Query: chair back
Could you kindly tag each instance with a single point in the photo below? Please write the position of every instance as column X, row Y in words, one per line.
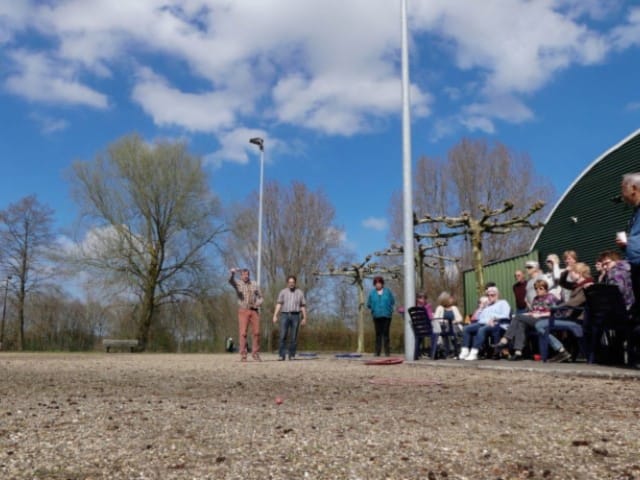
column 605, row 306
column 420, row 322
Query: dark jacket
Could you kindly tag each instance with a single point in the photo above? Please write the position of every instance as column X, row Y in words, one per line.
column 577, row 298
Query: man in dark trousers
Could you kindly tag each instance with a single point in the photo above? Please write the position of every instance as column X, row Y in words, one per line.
column 291, row 308
column 520, row 291
column 630, row 190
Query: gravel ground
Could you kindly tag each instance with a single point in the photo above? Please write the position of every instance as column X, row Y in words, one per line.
column 143, row 416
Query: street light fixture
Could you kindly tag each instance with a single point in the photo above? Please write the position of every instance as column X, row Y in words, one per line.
column 260, row 143
column 407, row 194
column 4, row 310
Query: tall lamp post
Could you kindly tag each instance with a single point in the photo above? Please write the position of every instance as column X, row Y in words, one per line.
column 260, row 143
column 407, row 204
column 4, row 310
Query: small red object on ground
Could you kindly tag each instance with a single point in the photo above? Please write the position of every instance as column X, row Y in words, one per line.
column 385, row 361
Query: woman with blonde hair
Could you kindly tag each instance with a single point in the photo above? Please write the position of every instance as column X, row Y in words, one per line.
column 449, row 320
column 447, row 308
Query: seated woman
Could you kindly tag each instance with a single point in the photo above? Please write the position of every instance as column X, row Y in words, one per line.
column 448, row 318
column 517, row 331
column 580, row 277
column 488, row 318
column 617, row 271
column 570, row 258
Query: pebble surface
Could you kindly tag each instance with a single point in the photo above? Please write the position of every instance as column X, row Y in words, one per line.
column 171, row 416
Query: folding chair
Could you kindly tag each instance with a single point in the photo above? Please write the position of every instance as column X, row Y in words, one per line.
column 449, row 337
column 421, row 325
column 607, row 324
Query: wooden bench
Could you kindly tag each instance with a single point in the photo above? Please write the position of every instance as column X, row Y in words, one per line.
column 115, row 343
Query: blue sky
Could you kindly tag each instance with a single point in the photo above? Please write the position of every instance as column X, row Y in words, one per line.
column 320, row 81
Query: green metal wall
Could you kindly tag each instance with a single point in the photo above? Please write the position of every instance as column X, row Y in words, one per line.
column 499, row 272
column 585, row 219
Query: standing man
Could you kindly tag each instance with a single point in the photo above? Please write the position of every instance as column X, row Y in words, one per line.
column 292, row 308
column 249, row 301
column 520, row 291
column 630, row 191
column 381, row 303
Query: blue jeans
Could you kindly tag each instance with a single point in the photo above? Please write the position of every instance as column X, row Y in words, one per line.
column 554, row 343
column 289, row 324
column 480, row 331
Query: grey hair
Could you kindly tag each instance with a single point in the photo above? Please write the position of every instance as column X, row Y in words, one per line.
column 631, row 179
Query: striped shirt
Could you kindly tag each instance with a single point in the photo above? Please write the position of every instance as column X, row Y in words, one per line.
column 249, row 295
column 291, row 301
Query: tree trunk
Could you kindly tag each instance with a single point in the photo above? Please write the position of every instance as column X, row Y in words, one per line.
column 420, row 264
column 146, row 317
column 360, row 318
column 478, row 260
column 21, row 296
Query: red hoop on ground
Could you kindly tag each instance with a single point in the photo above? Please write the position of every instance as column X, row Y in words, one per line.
column 385, row 361
column 417, row 382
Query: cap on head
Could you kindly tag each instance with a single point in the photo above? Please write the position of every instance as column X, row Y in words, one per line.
column 532, row 264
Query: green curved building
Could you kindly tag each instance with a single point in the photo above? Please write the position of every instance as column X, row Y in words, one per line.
column 590, row 212
column 585, row 218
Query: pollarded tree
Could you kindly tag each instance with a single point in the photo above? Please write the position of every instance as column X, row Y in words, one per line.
column 25, row 238
column 476, row 228
column 483, row 178
column 472, row 185
column 153, row 218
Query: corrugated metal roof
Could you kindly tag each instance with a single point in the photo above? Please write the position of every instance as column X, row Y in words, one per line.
column 585, row 219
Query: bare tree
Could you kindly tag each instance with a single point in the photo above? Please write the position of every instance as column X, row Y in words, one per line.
column 431, row 194
column 422, row 259
column 483, row 177
column 153, row 218
column 475, row 229
column 476, row 176
column 299, row 233
column 25, row 237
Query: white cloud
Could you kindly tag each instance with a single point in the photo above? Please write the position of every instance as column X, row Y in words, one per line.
column 596, row 9
column 325, row 65
column 14, row 16
column 376, row 223
column 204, row 112
column 49, row 125
column 43, row 79
column 95, row 243
column 235, row 146
column 628, row 35
column 633, row 106
column 340, row 237
column 479, row 116
column 520, row 44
